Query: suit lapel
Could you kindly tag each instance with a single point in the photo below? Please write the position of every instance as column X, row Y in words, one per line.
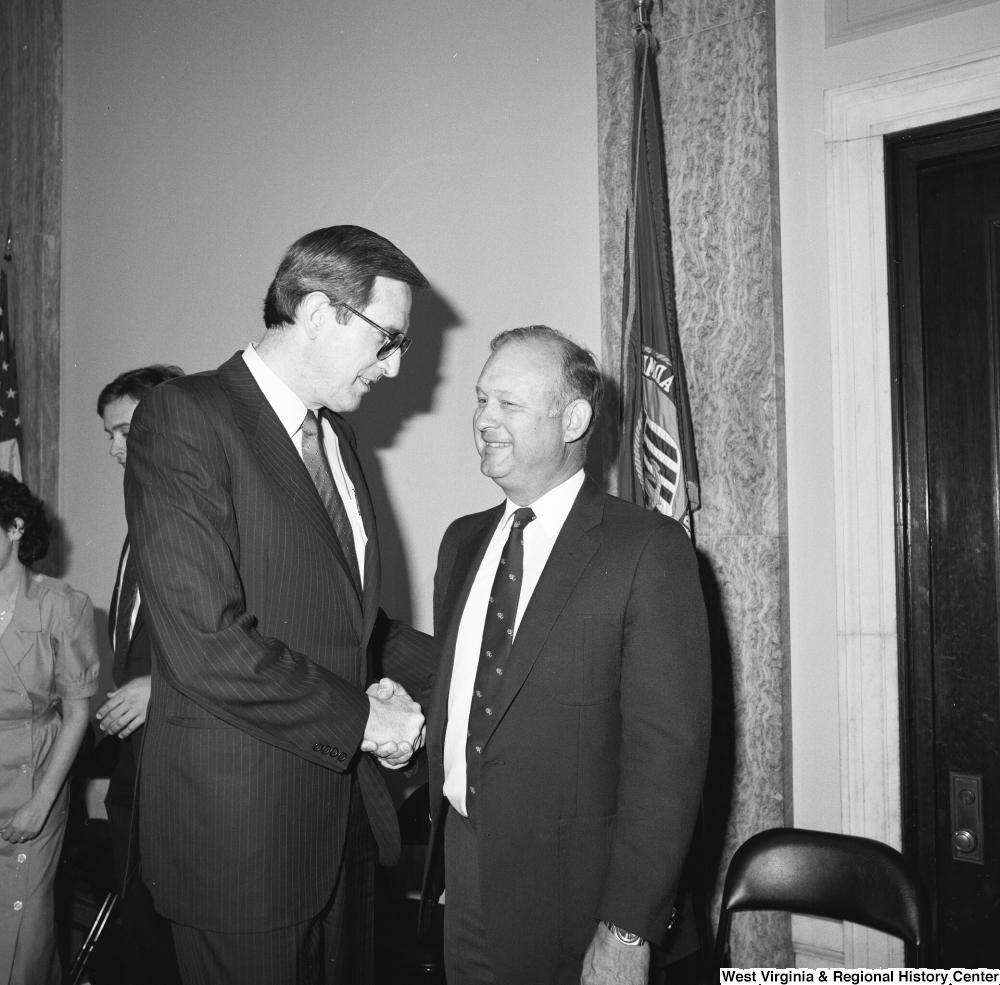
column 468, row 557
column 281, row 463
column 140, row 621
column 572, row 552
column 113, row 608
column 372, row 588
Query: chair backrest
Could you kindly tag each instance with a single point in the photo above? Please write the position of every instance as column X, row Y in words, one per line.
column 825, row 875
column 414, row 817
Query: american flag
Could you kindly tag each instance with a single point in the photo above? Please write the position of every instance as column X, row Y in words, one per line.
column 10, row 407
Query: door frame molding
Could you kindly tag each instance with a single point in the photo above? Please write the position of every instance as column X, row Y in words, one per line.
column 858, row 117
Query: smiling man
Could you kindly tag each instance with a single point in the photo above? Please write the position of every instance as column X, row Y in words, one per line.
column 257, row 554
column 568, row 731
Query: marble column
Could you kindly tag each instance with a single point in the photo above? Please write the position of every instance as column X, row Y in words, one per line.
column 716, row 70
column 31, row 201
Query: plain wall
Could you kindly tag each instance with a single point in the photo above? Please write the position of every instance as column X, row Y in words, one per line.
column 202, row 139
column 806, row 68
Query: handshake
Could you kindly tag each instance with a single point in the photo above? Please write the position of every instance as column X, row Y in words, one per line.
column 395, row 729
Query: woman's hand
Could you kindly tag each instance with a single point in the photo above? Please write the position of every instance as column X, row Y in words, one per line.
column 28, row 820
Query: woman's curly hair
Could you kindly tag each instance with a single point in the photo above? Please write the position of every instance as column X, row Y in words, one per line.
column 17, row 501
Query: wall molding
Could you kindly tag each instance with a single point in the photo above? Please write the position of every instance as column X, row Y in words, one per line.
column 857, row 118
column 844, row 24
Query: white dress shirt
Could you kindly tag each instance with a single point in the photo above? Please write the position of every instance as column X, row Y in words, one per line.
column 135, row 605
column 292, row 412
column 550, row 512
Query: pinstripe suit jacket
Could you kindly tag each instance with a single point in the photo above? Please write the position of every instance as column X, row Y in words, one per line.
column 260, row 659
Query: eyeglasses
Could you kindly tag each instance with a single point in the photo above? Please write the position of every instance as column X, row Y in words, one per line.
column 393, row 340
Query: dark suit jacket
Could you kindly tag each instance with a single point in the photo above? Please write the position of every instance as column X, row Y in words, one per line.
column 260, row 659
column 591, row 780
column 120, row 798
column 137, row 664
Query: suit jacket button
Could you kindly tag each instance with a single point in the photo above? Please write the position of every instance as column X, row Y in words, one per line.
column 317, row 746
column 342, row 756
column 334, row 751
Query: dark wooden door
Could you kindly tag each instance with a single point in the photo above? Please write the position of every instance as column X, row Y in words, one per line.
column 943, row 187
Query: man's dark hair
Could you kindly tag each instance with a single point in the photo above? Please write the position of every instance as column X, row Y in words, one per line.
column 582, row 376
column 18, row 502
column 341, row 262
column 136, row 383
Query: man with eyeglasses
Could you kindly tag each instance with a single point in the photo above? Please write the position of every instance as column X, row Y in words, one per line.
column 257, row 555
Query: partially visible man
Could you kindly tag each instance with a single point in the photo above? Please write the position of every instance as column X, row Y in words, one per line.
column 257, row 551
column 145, row 942
column 568, row 730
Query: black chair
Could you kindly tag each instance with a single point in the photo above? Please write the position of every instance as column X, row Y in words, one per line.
column 85, row 881
column 825, row 875
column 401, row 956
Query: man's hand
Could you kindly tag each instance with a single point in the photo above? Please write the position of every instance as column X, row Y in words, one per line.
column 395, row 728
column 125, row 709
column 610, row 962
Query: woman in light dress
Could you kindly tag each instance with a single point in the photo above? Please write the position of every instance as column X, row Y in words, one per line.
column 48, row 670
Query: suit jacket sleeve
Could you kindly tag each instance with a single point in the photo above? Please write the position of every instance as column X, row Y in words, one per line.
column 666, row 721
column 183, row 525
column 403, row 653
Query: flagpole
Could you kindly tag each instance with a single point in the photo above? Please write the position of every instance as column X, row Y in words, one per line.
column 641, row 9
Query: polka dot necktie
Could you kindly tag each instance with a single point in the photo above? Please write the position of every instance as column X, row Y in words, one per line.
column 314, row 457
column 498, row 636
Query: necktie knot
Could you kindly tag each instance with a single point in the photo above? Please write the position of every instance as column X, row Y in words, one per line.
column 310, row 426
column 523, row 517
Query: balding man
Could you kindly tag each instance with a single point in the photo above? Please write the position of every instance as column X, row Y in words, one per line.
column 568, row 731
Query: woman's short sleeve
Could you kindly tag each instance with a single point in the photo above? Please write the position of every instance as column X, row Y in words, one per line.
column 77, row 661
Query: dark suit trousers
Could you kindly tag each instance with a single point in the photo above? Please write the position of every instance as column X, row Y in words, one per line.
column 141, row 939
column 466, row 959
column 336, row 947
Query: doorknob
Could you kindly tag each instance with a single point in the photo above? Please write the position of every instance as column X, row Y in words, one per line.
column 967, row 817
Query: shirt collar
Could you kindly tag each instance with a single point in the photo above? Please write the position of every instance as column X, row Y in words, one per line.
column 290, row 410
column 551, row 509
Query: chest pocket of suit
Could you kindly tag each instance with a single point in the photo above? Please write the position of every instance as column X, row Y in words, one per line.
column 583, row 659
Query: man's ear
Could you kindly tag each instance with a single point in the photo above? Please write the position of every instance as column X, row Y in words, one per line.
column 313, row 308
column 16, row 529
column 576, row 419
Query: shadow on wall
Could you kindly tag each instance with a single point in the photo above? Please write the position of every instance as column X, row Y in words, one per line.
column 709, row 846
column 383, row 416
column 717, row 799
column 56, row 561
column 602, row 452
